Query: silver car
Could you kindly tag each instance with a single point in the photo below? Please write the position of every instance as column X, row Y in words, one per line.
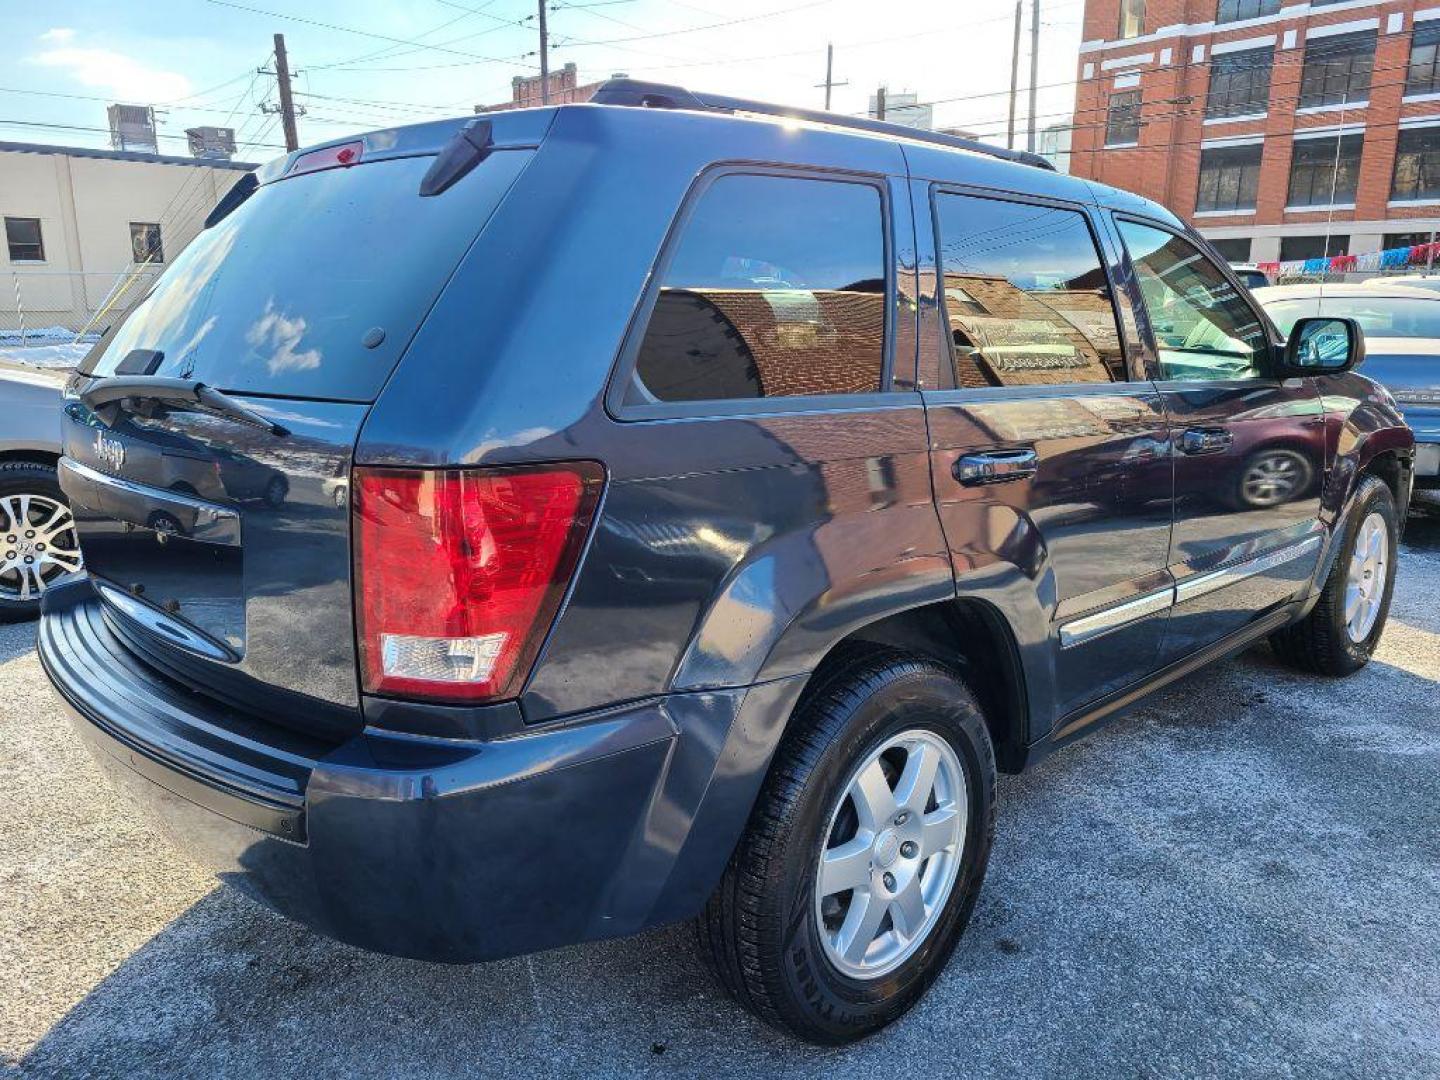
column 37, row 536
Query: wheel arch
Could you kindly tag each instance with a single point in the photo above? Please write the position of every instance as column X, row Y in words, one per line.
column 972, row 636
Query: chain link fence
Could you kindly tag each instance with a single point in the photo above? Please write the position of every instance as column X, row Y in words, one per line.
column 50, row 307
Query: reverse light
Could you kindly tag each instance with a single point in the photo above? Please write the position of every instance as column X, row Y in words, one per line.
column 459, row 573
column 328, row 157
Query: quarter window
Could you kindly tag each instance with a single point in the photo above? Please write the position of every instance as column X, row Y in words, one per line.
column 1234, row 10
column 1423, row 74
column 1417, row 165
column 22, row 236
column 1324, row 168
column 1337, row 69
column 1122, row 123
column 776, row 288
column 1203, row 328
column 145, row 244
column 1027, row 301
column 1240, row 83
column 1229, row 177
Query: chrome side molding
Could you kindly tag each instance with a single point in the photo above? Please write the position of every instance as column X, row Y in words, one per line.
column 1226, row 576
column 1097, row 624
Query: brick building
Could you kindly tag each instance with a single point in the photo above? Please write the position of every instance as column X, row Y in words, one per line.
column 1267, row 126
column 565, row 87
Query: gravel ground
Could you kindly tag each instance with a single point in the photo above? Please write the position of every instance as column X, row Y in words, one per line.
column 1240, row 879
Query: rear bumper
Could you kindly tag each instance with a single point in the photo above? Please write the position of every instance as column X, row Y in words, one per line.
column 454, row 851
column 1425, row 423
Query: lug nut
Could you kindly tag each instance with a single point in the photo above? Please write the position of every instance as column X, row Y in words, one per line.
column 39, row 547
column 889, row 880
column 29, row 559
column 29, row 534
column 909, row 849
column 902, row 817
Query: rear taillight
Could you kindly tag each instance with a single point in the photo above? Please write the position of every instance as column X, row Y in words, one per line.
column 459, row 573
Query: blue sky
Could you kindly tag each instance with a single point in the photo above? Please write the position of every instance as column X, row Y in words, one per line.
column 365, row 64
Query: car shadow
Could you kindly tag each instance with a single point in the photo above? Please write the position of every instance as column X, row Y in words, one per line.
column 16, row 639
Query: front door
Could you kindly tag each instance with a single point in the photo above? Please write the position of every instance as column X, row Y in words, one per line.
column 1249, row 447
column 1050, row 458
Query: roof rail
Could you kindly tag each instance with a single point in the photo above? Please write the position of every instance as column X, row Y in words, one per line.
column 638, row 93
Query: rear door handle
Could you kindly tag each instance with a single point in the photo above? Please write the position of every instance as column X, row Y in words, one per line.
column 1205, row 441
column 996, row 467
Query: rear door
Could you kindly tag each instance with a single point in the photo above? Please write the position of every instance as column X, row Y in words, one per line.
column 222, row 548
column 1050, row 458
column 1250, row 447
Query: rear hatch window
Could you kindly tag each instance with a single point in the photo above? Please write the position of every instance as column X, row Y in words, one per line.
column 313, row 287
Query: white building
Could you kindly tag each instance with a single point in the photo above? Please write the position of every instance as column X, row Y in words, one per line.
column 905, row 109
column 83, row 229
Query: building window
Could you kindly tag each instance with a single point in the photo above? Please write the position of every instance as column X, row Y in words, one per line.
column 1240, row 83
column 22, row 234
column 1423, row 75
column 1337, row 69
column 1293, row 248
column 775, row 288
column 1229, row 177
column 1406, row 239
column 1233, row 250
column 1122, row 122
column 1027, row 301
column 1324, row 168
column 1132, row 18
column 1233, row 10
column 145, row 244
column 1417, row 165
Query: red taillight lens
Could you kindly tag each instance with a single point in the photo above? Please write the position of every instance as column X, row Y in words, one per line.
column 459, row 573
column 329, row 157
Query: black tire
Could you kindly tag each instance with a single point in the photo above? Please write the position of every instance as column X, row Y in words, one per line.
column 758, row 930
column 1320, row 642
column 22, row 478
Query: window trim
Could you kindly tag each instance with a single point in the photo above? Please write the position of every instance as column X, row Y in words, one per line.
column 1200, row 208
column 623, row 368
column 1138, row 107
column 1102, row 253
column 1147, row 332
column 40, row 232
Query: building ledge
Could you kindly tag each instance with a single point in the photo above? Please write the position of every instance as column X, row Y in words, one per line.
column 1414, row 202
column 1209, row 120
column 1120, row 145
column 1224, row 213
column 1311, row 110
column 1416, row 99
column 1325, row 209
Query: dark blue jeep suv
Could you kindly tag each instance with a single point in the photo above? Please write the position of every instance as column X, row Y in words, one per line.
column 685, row 507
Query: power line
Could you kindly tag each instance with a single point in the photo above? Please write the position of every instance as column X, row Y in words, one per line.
column 371, row 34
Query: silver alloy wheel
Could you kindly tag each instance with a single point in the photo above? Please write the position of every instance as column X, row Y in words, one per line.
column 37, row 545
column 1365, row 583
column 1273, row 479
column 892, row 854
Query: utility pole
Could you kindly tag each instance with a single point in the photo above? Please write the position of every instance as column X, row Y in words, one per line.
column 544, row 57
column 830, row 75
column 287, row 103
column 1034, row 68
column 880, row 103
column 1014, row 76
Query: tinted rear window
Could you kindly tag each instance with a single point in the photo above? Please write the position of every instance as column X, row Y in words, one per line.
column 276, row 298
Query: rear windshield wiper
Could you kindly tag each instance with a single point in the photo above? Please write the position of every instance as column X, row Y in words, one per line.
column 184, row 393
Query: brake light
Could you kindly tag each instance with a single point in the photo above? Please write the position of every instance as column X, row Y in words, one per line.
column 459, row 573
column 328, row 157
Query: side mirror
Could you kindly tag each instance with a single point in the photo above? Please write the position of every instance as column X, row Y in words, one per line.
column 1324, row 346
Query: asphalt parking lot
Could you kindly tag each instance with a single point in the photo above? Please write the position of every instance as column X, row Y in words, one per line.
column 1241, row 879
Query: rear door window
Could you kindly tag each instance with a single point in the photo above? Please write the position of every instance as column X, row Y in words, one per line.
column 281, row 297
column 775, row 287
column 1027, row 300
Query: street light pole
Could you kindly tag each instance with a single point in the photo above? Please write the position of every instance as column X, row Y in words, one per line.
column 1034, row 69
column 544, row 58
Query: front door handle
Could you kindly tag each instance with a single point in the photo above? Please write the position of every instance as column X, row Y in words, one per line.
column 996, row 467
column 1205, row 441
